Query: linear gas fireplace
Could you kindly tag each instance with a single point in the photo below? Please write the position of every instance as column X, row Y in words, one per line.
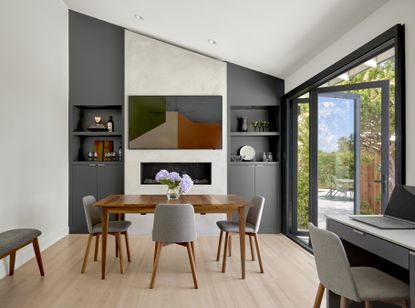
column 201, row 173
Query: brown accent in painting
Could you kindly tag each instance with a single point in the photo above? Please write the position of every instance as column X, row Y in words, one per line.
column 190, row 133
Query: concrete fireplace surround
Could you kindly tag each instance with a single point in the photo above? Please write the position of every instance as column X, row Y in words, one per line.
column 153, row 67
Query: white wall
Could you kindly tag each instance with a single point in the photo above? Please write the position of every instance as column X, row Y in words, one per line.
column 156, row 68
column 390, row 14
column 33, row 120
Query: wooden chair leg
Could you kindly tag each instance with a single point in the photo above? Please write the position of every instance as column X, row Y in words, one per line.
column 319, row 296
column 192, row 264
column 116, row 247
column 155, row 252
column 88, row 246
column 252, row 247
column 127, row 244
column 230, row 245
column 38, row 257
column 219, row 245
column 96, row 247
column 192, row 245
column 119, row 245
column 225, row 250
column 261, row 268
column 344, row 302
column 158, row 247
column 12, row 262
column 368, row 304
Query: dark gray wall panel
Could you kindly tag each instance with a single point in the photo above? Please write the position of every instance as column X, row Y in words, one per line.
column 96, row 86
column 251, row 88
column 96, row 61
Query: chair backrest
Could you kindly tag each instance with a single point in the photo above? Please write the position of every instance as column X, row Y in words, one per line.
column 92, row 213
column 333, row 267
column 174, row 223
column 255, row 212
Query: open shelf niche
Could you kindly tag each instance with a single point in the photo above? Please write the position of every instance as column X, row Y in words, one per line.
column 262, row 141
column 83, row 140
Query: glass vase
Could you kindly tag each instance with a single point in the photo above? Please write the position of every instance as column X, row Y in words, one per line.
column 173, row 193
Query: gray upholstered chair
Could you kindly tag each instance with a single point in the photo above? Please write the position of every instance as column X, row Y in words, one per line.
column 359, row 284
column 116, row 228
column 253, row 221
column 174, row 224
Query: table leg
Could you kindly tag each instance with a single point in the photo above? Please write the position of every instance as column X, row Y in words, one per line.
column 241, row 214
column 104, row 224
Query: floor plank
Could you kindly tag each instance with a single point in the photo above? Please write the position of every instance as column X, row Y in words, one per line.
column 289, row 280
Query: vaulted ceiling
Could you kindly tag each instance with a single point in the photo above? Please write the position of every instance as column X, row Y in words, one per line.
column 272, row 36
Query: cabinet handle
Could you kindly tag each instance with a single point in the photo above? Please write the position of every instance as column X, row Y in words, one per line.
column 92, row 165
column 101, row 165
column 358, row 232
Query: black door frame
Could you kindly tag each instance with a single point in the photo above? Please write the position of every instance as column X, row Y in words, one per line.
column 294, row 192
column 394, row 37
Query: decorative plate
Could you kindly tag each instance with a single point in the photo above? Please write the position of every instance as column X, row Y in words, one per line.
column 247, row 152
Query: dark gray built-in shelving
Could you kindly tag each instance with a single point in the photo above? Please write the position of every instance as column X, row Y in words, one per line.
column 256, row 96
column 96, row 87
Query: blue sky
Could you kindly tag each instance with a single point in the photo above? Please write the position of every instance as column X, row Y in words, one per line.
column 335, row 120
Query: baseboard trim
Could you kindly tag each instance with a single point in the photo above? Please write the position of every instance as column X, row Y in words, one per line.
column 26, row 254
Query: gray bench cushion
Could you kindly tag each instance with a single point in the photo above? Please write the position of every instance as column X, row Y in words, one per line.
column 12, row 239
column 113, row 227
column 233, row 226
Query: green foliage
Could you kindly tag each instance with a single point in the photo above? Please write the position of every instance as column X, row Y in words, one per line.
column 365, row 208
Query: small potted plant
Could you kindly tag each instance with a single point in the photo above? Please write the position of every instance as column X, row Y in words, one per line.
column 264, row 125
column 176, row 184
column 256, row 125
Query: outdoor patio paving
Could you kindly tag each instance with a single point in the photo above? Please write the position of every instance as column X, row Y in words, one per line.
column 339, row 204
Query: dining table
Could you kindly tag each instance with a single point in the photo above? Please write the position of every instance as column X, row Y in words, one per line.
column 146, row 204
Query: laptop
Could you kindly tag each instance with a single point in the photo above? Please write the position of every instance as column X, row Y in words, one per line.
column 399, row 214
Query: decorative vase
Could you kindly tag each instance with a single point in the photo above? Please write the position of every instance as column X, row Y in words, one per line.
column 173, row 193
column 243, row 124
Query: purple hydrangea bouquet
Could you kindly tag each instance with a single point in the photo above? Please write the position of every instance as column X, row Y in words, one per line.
column 176, row 184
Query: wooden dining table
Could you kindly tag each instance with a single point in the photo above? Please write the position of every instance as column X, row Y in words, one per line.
column 146, row 204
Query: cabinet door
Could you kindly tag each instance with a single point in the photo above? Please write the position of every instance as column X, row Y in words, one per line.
column 84, row 182
column 109, row 180
column 242, row 181
column 267, row 185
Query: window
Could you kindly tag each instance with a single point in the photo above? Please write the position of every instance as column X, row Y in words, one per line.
column 346, row 149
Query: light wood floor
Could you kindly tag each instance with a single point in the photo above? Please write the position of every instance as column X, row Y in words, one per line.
column 289, row 280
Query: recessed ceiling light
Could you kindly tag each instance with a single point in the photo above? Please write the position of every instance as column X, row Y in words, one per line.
column 213, row 42
column 139, row 17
